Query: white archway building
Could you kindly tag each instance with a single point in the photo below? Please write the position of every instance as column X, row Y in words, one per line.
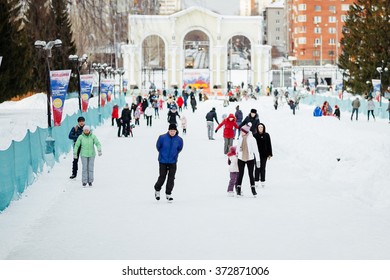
column 216, row 68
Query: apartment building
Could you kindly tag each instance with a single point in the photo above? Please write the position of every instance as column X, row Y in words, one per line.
column 168, row 7
column 314, row 30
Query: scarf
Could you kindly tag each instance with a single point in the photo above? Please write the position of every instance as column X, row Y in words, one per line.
column 244, row 148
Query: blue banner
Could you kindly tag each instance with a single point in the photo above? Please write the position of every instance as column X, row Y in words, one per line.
column 86, row 89
column 59, row 81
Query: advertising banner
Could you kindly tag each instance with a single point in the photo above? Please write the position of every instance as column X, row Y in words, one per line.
column 104, row 89
column 59, row 81
column 376, row 89
column 110, row 89
column 86, row 82
column 198, row 78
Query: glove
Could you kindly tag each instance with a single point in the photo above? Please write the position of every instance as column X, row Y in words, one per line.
column 215, row 131
column 258, row 164
column 99, row 153
column 269, row 157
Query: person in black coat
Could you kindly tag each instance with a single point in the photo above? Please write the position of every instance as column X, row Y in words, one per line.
column 265, row 150
column 172, row 116
column 252, row 118
column 125, row 119
column 74, row 133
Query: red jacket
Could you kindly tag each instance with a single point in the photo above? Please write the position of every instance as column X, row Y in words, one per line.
column 115, row 112
column 180, row 101
column 228, row 131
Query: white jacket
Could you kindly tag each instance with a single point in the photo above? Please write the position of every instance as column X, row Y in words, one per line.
column 149, row 111
column 233, row 167
column 252, row 148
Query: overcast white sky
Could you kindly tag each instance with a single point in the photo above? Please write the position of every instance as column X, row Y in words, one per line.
column 225, row 7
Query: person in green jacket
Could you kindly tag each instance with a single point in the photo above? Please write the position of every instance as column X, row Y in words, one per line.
column 87, row 141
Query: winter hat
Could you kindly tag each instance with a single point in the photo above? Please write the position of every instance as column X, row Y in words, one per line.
column 254, row 111
column 172, row 126
column 246, row 128
column 80, row 119
column 86, row 127
column 232, row 151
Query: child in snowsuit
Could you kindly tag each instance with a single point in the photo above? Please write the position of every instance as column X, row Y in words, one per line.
column 183, row 121
column 233, row 168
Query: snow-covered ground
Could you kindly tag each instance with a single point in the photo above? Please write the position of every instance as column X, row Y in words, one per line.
column 313, row 206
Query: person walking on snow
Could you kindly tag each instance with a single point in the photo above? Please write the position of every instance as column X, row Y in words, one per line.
column 74, row 134
column 114, row 114
column 355, row 107
column 169, row 146
column 210, row 117
column 233, row 169
column 172, row 114
column 229, row 124
column 87, row 142
column 183, row 121
column 370, row 108
column 239, row 117
column 149, row 115
column 247, row 153
column 252, row 118
column 264, row 146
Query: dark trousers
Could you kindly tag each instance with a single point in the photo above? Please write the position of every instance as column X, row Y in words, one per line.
column 353, row 112
column 372, row 113
column 149, row 120
column 126, row 128
column 241, row 165
column 260, row 172
column 75, row 163
column 166, row 169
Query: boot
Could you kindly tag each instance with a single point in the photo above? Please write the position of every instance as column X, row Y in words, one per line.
column 253, row 191
column 238, row 190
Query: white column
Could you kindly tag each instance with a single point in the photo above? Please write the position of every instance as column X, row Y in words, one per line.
column 218, row 51
column 132, row 81
column 173, row 69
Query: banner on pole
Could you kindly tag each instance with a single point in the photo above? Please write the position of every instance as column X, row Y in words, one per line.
column 104, row 88
column 376, row 89
column 86, row 82
column 59, row 81
column 111, row 85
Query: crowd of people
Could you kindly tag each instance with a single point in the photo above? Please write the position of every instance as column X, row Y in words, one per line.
column 253, row 148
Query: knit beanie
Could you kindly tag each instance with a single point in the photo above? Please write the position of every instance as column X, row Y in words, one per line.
column 246, row 128
column 172, row 126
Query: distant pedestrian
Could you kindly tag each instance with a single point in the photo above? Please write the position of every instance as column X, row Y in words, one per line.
column 193, row 103
column 74, row 134
column 172, row 114
column 210, row 117
column 149, row 115
column 239, row 116
column 370, row 108
column 355, row 108
column 87, row 142
column 114, row 114
column 183, row 121
column 126, row 118
column 337, row 111
column 169, row 146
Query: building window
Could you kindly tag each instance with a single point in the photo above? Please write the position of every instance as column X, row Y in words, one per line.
column 277, row 38
column 317, row 19
column 317, row 42
column 303, row 29
column 302, row 40
column 317, row 8
column 343, row 18
column 316, row 53
column 277, row 28
column 302, row 18
column 332, row 9
column 331, row 19
column 302, row 7
column 332, row 41
column 317, row 30
column 345, row 7
column 332, row 30
column 277, row 21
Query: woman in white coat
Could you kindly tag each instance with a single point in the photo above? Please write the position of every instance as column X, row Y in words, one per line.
column 247, row 154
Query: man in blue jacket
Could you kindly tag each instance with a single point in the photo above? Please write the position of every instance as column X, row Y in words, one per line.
column 169, row 146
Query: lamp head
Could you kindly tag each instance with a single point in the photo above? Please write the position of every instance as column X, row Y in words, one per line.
column 57, row 43
column 39, row 44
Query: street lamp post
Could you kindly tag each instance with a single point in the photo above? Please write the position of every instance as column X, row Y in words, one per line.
column 120, row 72
column 99, row 68
column 78, row 61
column 381, row 70
column 46, row 48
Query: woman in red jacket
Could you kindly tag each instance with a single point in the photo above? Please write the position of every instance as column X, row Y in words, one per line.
column 114, row 114
column 228, row 131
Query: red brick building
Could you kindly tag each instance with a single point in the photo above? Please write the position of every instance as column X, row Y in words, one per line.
column 314, row 30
